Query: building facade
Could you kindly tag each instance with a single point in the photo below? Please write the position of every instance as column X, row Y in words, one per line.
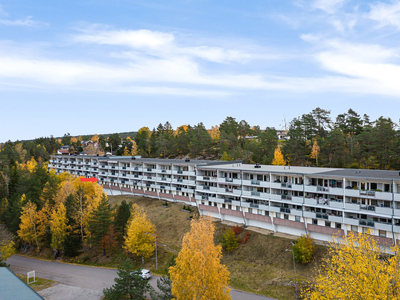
column 293, row 200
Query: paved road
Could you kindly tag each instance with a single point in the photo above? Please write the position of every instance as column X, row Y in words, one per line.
column 86, row 277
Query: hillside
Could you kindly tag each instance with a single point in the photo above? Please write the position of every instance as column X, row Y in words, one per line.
column 261, row 265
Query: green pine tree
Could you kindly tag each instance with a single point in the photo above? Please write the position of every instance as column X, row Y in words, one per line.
column 128, row 284
column 100, row 221
column 121, row 219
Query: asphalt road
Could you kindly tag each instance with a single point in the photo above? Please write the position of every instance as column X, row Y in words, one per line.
column 87, row 277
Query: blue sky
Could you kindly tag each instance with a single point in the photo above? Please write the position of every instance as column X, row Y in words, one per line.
column 116, row 65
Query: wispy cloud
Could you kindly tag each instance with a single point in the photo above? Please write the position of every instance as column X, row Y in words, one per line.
column 386, row 14
column 329, row 6
column 23, row 22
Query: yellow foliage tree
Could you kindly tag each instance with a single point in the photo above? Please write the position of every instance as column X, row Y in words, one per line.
column 140, row 235
column 214, row 132
column 184, row 127
column 198, row 272
column 66, row 188
column 31, row 164
column 126, row 152
column 7, row 249
column 134, row 150
column 278, row 158
column 95, row 138
column 315, row 151
column 74, row 139
column 58, row 226
column 33, row 224
column 356, row 269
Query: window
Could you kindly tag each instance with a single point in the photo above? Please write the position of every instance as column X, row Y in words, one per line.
column 267, row 213
column 382, row 233
column 223, row 205
column 250, row 210
column 215, row 203
column 354, row 228
column 286, row 217
column 364, row 229
column 315, row 221
column 327, row 224
column 260, row 212
column 338, row 226
column 229, row 206
column 238, row 208
column 297, row 218
column 278, row 215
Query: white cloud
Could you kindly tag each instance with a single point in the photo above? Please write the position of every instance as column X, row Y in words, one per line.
column 386, row 14
column 329, row 6
column 22, row 22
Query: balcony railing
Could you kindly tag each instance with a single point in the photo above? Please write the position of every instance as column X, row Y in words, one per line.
column 163, row 171
column 204, row 197
column 255, row 182
column 228, row 179
column 180, row 180
column 368, row 223
column 149, row 169
column 149, row 177
column 286, row 197
column 179, row 188
column 206, row 187
column 164, row 178
column 285, row 210
column 180, row 172
column 255, row 193
column 253, row 205
column 286, row 185
column 368, row 193
column 322, row 216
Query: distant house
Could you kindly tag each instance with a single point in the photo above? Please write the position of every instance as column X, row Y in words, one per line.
column 283, row 135
column 12, row 287
column 64, row 150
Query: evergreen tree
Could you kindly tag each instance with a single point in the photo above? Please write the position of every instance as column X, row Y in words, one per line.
column 128, row 284
column 121, row 219
column 164, row 284
column 99, row 221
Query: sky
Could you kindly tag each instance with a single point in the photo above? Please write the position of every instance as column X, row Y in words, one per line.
column 105, row 66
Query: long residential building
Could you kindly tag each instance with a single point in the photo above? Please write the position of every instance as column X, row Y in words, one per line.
column 293, row 200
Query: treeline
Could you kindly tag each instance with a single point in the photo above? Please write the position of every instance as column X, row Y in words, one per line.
column 312, row 139
column 45, row 210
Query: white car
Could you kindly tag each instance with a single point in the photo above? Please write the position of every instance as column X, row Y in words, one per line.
column 144, row 273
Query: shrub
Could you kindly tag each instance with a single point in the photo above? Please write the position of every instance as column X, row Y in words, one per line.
column 229, row 241
column 303, row 249
column 237, row 229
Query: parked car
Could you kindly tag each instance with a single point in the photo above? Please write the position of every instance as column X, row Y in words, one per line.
column 144, row 273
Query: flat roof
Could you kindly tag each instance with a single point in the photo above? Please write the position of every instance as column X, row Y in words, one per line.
column 316, row 171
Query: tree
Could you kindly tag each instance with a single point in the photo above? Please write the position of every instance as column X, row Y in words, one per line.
column 28, row 231
column 198, row 272
column 226, row 157
column 229, row 241
column 122, row 216
column 315, row 151
column 278, row 158
column 303, row 249
column 164, row 284
column 128, row 284
column 100, row 221
column 355, row 269
column 7, row 249
column 140, row 237
column 142, row 140
column 58, row 226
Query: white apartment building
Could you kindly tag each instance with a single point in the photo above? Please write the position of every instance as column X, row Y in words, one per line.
column 294, row 200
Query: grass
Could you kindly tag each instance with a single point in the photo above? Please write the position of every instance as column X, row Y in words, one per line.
column 261, row 265
column 40, row 283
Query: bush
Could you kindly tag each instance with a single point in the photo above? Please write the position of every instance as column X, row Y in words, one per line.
column 237, row 229
column 229, row 241
column 303, row 249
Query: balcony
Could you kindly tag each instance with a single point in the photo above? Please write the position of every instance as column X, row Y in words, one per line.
column 383, row 226
column 286, row 185
column 234, row 202
column 368, row 223
column 321, row 216
column 383, row 210
column 255, row 182
column 310, row 201
column 163, row 171
column 335, row 219
column 383, row 195
column 296, row 212
column 310, row 188
column 309, row 214
column 351, row 221
column 335, row 204
column 285, row 210
column 286, row 197
column 275, row 208
column 297, row 199
column 367, row 193
column 276, row 197
column 253, row 193
column 253, row 205
column 149, row 169
column 352, row 193
column 322, row 189
column 352, row 206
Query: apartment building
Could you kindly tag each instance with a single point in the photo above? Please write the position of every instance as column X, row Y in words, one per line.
column 294, row 200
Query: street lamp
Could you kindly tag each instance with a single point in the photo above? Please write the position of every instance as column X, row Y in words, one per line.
column 294, row 268
column 155, row 241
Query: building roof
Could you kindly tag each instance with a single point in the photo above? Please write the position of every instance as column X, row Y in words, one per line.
column 12, row 287
column 318, row 172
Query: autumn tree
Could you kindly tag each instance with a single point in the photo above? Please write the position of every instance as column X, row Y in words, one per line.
column 355, row 269
column 278, row 158
column 140, row 237
column 198, row 272
column 7, row 249
column 303, row 249
column 229, row 241
column 315, row 151
column 58, row 226
column 32, row 226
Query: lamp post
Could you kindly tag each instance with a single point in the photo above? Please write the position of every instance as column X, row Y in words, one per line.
column 155, row 242
column 294, row 268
